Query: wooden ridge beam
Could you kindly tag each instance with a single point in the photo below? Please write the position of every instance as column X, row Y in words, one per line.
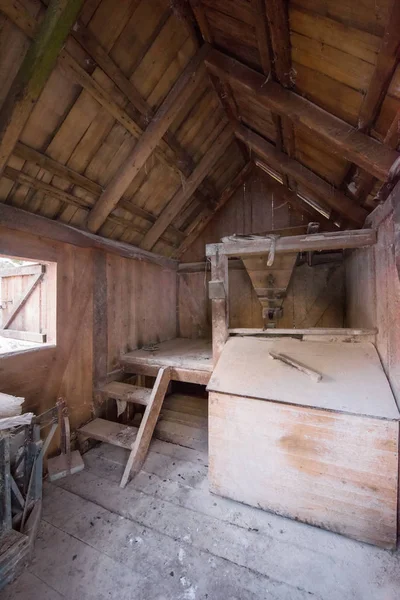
column 207, row 215
column 387, row 61
column 351, row 144
column 335, row 240
column 55, row 168
column 34, row 72
column 147, row 143
column 283, row 163
column 20, row 220
column 182, row 196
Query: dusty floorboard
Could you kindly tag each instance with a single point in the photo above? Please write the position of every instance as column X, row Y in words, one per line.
column 164, row 537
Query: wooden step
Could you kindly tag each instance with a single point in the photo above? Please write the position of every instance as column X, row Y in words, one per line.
column 110, row 432
column 127, row 392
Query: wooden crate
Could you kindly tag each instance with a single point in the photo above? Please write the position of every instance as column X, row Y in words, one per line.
column 331, row 466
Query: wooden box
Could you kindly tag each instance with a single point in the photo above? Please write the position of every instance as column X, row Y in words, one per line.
column 324, row 453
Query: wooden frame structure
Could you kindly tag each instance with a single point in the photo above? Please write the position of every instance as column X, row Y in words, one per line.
column 220, row 253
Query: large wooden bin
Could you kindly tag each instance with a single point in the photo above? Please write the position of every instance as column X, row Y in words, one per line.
column 324, row 453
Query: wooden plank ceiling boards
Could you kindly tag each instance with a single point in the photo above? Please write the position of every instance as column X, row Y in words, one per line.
column 139, row 120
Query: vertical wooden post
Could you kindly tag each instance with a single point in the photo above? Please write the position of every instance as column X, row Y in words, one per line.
column 219, row 305
column 100, row 324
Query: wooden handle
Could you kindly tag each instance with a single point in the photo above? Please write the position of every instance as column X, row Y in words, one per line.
column 314, row 375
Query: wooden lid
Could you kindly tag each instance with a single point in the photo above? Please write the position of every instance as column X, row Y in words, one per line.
column 353, row 380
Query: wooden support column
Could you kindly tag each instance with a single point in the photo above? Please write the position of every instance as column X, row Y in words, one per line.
column 34, row 72
column 100, row 325
column 219, row 305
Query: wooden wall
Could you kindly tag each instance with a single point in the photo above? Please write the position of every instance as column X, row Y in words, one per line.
column 315, row 298
column 254, row 208
column 140, row 307
column 373, row 295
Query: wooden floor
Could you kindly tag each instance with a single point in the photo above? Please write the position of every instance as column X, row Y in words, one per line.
column 190, row 360
column 165, row 537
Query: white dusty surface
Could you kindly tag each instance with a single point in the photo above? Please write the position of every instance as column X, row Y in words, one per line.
column 165, row 537
column 353, row 380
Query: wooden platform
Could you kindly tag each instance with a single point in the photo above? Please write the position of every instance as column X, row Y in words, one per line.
column 190, row 360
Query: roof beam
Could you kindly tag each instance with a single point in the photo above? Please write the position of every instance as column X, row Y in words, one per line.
column 387, row 61
column 278, row 21
column 335, row 240
column 34, row 72
column 182, row 196
column 20, row 220
column 163, row 118
column 73, row 177
column 349, row 143
column 261, row 28
column 283, row 163
column 207, row 215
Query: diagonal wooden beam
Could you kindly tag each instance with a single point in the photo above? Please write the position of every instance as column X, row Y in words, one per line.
column 163, row 118
column 170, row 151
column 262, row 35
column 34, row 72
column 55, row 168
column 340, row 136
column 182, row 196
column 278, row 21
column 387, row 61
column 283, row 163
column 207, row 215
column 24, row 298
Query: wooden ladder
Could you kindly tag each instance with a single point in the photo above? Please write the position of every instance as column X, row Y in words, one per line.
column 137, row 440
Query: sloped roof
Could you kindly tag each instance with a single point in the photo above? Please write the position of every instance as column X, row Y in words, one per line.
column 155, row 110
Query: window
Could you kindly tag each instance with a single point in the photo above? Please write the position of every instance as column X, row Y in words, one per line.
column 27, row 304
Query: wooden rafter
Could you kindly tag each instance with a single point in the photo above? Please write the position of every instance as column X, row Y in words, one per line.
column 343, row 139
column 163, row 118
column 387, row 61
column 283, row 163
column 204, row 218
column 34, row 72
column 183, row 195
column 169, row 151
column 68, row 198
column 76, row 179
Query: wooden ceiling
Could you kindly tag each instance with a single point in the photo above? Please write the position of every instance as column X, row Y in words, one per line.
column 138, row 119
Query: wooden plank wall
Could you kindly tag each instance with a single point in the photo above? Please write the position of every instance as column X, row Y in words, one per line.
column 373, row 297
column 254, row 208
column 309, row 302
column 141, row 308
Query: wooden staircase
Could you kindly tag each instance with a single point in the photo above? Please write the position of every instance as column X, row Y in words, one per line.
column 135, row 439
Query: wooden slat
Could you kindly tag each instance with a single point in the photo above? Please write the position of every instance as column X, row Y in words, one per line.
column 336, row 240
column 126, row 392
column 18, row 14
column 110, row 432
column 165, row 115
column 207, row 215
column 34, row 72
column 282, row 163
column 27, row 336
column 349, row 143
column 24, row 298
column 182, row 196
column 21, row 220
column 149, row 420
column 387, row 60
column 23, row 270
